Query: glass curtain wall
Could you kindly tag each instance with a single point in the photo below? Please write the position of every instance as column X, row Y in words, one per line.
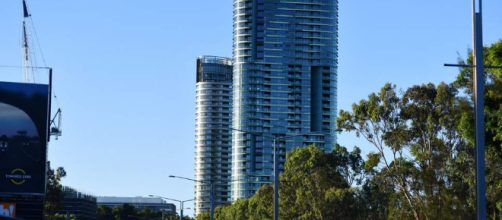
column 285, row 82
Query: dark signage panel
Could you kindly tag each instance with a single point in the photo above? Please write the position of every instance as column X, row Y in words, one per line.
column 23, row 137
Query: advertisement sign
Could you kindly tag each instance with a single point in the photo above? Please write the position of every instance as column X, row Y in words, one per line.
column 8, row 209
column 23, row 137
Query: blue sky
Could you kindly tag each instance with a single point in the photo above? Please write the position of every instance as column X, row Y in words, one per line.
column 125, row 74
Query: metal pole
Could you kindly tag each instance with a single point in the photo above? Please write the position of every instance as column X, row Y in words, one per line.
column 276, row 167
column 181, row 210
column 211, row 199
column 49, row 107
column 276, row 183
column 478, row 85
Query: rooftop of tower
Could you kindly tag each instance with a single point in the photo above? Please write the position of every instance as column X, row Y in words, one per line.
column 215, row 59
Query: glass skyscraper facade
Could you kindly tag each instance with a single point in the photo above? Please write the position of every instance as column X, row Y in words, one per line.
column 213, row 120
column 284, row 84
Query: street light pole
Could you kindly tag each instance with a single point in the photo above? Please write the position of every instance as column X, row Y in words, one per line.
column 181, row 210
column 211, row 201
column 276, row 182
column 479, row 90
column 211, row 193
column 479, row 104
column 182, row 202
column 276, row 165
column 182, row 207
column 276, row 172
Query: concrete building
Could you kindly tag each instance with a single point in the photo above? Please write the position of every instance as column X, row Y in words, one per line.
column 213, row 120
column 155, row 204
column 81, row 205
column 285, row 84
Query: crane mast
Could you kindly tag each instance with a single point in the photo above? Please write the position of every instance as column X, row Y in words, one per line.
column 27, row 76
column 29, row 67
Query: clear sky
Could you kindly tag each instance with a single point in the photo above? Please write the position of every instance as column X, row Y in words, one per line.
column 125, row 74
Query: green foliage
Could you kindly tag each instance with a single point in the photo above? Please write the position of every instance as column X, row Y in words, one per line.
column 59, row 216
column 424, row 165
column 314, row 185
column 54, row 196
column 124, row 212
column 104, row 213
column 203, row 216
column 418, row 145
column 128, row 212
column 238, row 211
column 493, row 124
column 260, row 205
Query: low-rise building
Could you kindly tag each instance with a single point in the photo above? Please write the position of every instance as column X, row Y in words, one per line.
column 81, row 205
column 154, row 204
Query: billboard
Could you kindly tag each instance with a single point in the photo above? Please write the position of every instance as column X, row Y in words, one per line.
column 24, row 122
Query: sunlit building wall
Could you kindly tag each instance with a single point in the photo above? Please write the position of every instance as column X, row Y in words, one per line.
column 212, row 131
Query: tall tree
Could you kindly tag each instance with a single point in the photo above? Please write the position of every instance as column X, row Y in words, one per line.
column 260, row 205
column 314, row 185
column 236, row 211
column 317, row 185
column 417, row 143
column 493, row 123
column 54, row 194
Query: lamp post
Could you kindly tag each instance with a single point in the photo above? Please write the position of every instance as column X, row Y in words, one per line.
column 211, row 193
column 176, row 200
column 276, row 171
column 479, row 96
column 276, row 182
column 276, row 164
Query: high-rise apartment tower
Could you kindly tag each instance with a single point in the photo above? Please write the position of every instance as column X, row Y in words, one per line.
column 285, row 83
column 213, row 120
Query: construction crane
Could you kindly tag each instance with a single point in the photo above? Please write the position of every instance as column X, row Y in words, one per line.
column 27, row 76
column 56, row 126
column 29, row 67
